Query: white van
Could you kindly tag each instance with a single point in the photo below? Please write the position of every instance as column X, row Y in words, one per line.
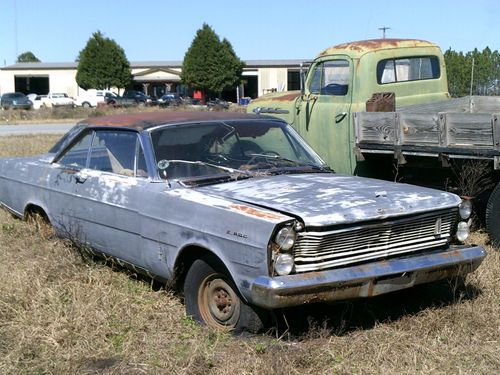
column 90, row 98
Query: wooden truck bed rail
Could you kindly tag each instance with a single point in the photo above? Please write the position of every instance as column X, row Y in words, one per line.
column 433, row 134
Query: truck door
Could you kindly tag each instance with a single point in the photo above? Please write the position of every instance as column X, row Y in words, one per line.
column 324, row 111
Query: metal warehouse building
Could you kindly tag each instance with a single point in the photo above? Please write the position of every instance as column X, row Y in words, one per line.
column 152, row 77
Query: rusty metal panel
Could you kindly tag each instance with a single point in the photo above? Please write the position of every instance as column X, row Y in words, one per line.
column 365, row 280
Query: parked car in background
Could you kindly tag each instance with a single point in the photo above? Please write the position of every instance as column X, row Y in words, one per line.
column 240, row 211
column 91, row 98
column 139, row 97
column 31, row 96
column 115, row 100
column 57, row 99
column 169, row 100
column 38, row 101
column 217, row 104
column 15, row 100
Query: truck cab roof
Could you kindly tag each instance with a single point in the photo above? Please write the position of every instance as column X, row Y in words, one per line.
column 361, row 47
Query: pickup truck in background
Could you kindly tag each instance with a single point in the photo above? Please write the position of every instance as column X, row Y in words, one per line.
column 381, row 108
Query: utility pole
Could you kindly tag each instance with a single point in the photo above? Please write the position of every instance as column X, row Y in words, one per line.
column 383, row 29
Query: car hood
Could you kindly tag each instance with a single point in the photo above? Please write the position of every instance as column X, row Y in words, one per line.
column 330, row 199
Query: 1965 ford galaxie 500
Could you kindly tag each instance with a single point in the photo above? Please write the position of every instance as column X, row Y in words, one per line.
column 240, row 211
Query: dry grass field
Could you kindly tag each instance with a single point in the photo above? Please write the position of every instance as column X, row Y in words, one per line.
column 61, row 313
column 54, row 115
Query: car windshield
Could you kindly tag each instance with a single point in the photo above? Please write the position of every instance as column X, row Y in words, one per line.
column 239, row 148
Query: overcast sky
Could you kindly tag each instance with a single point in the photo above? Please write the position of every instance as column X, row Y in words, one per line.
column 56, row 30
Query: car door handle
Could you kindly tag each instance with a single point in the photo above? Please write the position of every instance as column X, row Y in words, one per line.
column 81, row 177
column 340, row 116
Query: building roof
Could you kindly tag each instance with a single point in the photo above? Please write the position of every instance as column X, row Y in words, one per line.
column 147, row 64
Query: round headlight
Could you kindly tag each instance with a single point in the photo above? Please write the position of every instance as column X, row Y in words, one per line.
column 283, row 264
column 462, row 231
column 285, row 238
column 465, row 209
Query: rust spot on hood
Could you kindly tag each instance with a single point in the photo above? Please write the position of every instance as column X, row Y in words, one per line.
column 255, row 212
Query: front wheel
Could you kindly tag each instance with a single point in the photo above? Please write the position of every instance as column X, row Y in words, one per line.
column 211, row 298
column 493, row 215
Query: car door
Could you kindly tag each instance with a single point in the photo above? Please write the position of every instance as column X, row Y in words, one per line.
column 324, row 116
column 107, row 194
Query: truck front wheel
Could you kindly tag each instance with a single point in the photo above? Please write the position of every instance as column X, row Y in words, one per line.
column 493, row 215
column 211, row 298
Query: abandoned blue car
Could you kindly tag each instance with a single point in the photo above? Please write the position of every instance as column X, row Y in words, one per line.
column 240, row 211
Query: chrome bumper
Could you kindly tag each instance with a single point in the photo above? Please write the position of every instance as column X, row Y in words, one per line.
column 365, row 280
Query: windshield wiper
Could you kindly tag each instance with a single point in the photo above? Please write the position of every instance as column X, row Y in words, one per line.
column 231, row 175
column 199, row 162
column 322, row 168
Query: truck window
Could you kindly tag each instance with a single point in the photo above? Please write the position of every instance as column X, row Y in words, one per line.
column 330, row 78
column 408, row 69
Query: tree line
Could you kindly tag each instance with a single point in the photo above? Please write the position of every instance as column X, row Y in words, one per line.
column 485, row 76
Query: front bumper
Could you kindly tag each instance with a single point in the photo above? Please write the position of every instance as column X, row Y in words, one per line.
column 365, row 280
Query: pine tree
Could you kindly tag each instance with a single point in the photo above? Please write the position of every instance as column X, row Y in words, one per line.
column 102, row 64
column 27, row 56
column 209, row 64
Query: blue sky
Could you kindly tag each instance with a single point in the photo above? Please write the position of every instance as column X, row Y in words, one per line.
column 55, row 30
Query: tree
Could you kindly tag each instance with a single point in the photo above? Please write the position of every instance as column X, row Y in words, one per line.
column 27, row 56
column 486, row 72
column 102, row 64
column 210, row 64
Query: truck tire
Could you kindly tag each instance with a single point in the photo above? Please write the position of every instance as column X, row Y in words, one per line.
column 493, row 216
column 212, row 299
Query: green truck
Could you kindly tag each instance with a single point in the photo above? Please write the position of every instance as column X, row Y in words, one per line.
column 381, row 108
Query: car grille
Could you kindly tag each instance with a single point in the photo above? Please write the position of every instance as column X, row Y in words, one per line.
column 315, row 251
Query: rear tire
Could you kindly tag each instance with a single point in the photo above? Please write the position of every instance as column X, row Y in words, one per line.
column 493, row 215
column 86, row 105
column 212, row 299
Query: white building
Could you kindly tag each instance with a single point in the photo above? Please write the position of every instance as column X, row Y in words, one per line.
column 151, row 77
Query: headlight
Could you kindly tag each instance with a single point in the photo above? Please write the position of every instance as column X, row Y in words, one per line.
column 465, row 209
column 285, row 238
column 283, row 264
column 462, row 231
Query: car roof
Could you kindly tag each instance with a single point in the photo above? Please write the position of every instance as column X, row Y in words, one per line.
column 144, row 120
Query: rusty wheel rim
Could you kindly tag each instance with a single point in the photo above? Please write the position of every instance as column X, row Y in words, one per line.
column 218, row 302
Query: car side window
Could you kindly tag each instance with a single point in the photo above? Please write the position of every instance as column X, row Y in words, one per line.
column 76, row 156
column 114, row 152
